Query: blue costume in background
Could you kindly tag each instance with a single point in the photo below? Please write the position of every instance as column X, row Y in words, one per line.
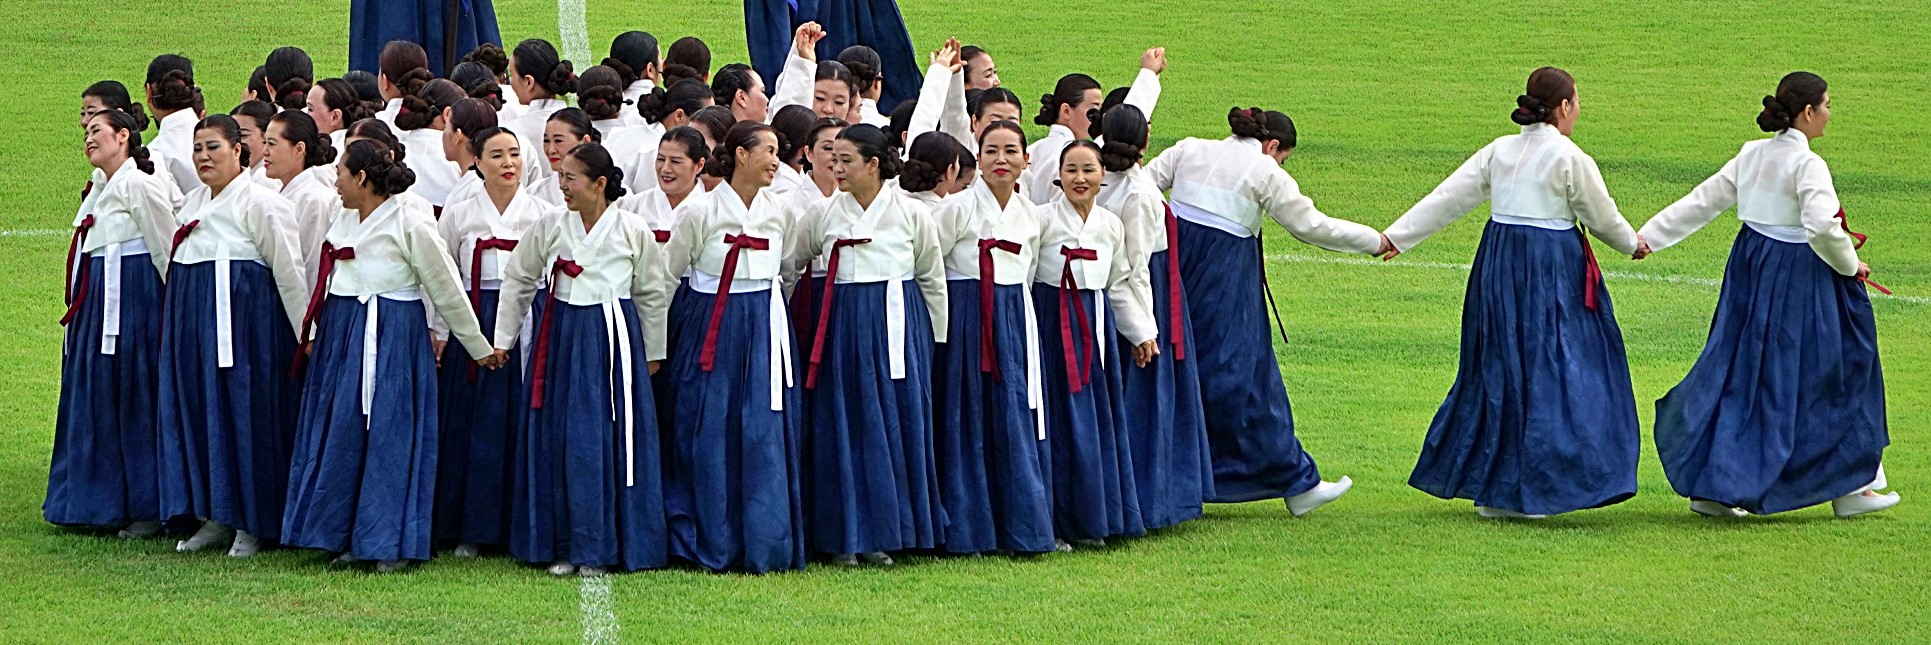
column 446, row 29
column 874, row 23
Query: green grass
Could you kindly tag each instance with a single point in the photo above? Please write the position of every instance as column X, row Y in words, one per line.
column 1388, row 98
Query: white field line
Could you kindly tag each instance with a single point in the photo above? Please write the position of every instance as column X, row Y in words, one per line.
column 1612, row 275
column 594, row 601
column 574, row 30
column 37, row 232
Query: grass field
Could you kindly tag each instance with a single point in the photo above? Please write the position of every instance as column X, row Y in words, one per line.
column 1388, row 98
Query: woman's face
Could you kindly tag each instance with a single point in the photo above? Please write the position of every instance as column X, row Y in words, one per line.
column 502, row 161
column 251, row 137
column 821, row 151
column 981, row 73
column 958, row 178
column 326, row 120
column 1079, row 175
column 558, row 140
column 676, row 169
column 104, row 145
column 1815, row 118
column 831, row 98
column 217, row 161
column 1003, row 156
column 580, row 189
column 90, row 106
column 851, row 170
column 994, row 112
column 355, row 193
column 757, row 164
column 753, row 104
column 280, row 157
column 1568, row 113
column 1079, row 118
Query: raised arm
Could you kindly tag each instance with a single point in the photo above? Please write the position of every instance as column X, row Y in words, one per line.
column 1145, row 91
column 1817, row 199
column 793, row 84
column 1460, row 193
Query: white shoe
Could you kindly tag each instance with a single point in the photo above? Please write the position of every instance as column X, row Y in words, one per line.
column 1708, row 508
column 1500, row 514
column 466, row 550
column 245, row 545
column 590, row 572
column 139, row 530
column 345, row 560
column 1060, row 546
column 211, row 533
column 390, row 566
column 1322, row 493
column 1881, row 482
column 845, row 560
column 562, row 569
column 1859, row 504
column 878, row 558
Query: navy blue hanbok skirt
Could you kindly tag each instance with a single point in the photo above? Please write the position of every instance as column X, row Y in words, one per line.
column 1172, row 465
column 1090, row 465
column 480, row 415
column 103, row 471
column 991, row 459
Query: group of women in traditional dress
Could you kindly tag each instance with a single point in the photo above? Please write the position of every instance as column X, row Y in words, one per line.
column 689, row 321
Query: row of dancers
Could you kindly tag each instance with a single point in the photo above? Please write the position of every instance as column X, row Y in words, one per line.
column 971, row 344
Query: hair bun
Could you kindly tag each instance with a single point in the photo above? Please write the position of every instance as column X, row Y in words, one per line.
column 1775, row 117
column 918, row 175
column 1119, row 156
column 563, row 79
column 177, row 90
column 397, row 178
column 292, row 94
column 623, row 71
column 614, row 190
column 1246, row 123
column 1529, row 110
column 140, row 116
column 673, row 72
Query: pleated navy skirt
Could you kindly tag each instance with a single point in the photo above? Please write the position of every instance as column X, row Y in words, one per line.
column 366, row 485
column 226, row 431
column 1785, row 407
column 872, row 479
column 1090, row 462
column 991, row 460
column 103, row 471
column 583, row 493
column 1250, row 423
column 479, row 413
column 731, row 463
column 1173, row 468
column 1541, row 418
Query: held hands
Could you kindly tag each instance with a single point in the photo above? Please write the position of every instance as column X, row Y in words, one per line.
column 436, row 346
column 805, row 40
column 495, row 359
column 948, row 56
column 1144, row 353
column 1155, row 59
column 653, row 367
column 1388, row 250
column 1642, row 249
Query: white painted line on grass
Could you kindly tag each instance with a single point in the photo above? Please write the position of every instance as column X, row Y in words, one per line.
column 1612, row 275
column 593, row 601
column 37, row 232
column 574, row 30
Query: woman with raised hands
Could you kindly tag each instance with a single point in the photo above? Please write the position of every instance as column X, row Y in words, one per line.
column 421, row 120
column 941, row 103
column 403, row 69
column 1784, row 409
column 797, row 83
column 295, row 154
column 1072, row 113
column 1541, row 419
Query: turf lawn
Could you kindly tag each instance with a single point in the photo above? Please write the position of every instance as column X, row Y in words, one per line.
column 1388, row 99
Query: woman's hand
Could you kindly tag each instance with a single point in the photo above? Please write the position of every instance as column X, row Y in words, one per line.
column 653, row 367
column 1642, row 249
column 1388, row 250
column 805, row 40
column 1155, row 60
column 436, row 346
column 948, row 56
column 495, row 360
column 1143, row 353
column 1863, row 271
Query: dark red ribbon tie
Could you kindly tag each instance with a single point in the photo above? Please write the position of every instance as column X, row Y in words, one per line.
column 1860, row 239
column 540, row 356
column 1078, row 372
column 1591, row 272
column 324, row 270
column 708, row 358
column 988, row 285
column 1176, row 296
column 476, row 279
column 77, row 292
column 824, row 308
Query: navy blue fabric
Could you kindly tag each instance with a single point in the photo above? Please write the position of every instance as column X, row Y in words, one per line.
column 874, row 23
column 103, row 468
column 1250, row 423
column 479, row 417
column 1090, row 465
column 1541, row 418
column 373, row 23
column 991, row 461
column 226, row 431
column 1785, row 407
column 366, row 485
column 1172, row 467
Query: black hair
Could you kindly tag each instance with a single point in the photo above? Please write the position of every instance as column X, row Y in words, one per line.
column 579, row 123
column 470, row 117
column 873, row 143
column 406, row 65
column 387, row 174
column 172, row 79
column 367, row 90
column 537, row 58
column 299, row 127
column 1548, row 88
column 1255, row 123
column 258, row 82
column 258, row 111
column 724, row 158
column 977, row 104
column 1069, row 91
column 290, row 74
column 931, row 154
column 596, row 160
column 600, row 92
column 478, row 82
column 793, row 124
column 489, row 55
column 114, row 96
column 375, row 129
column 729, row 80
column 482, row 137
column 685, row 94
column 900, row 121
column 1077, row 144
column 691, row 140
column 1115, row 97
column 831, row 70
column 338, row 94
column 421, row 109
column 811, row 136
column 132, row 125
column 630, row 53
column 230, row 131
column 689, row 58
column 1797, row 90
column 866, row 67
column 969, row 52
column 716, row 119
column 1009, row 126
column 1125, row 130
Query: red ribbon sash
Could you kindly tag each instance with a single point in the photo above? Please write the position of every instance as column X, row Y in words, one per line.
column 1860, row 238
column 1176, row 297
column 988, row 346
column 708, row 358
column 540, row 356
column 824, row 308
column 77, row 293
column 324, row 270
column 476, row 280
column 1078, row 372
